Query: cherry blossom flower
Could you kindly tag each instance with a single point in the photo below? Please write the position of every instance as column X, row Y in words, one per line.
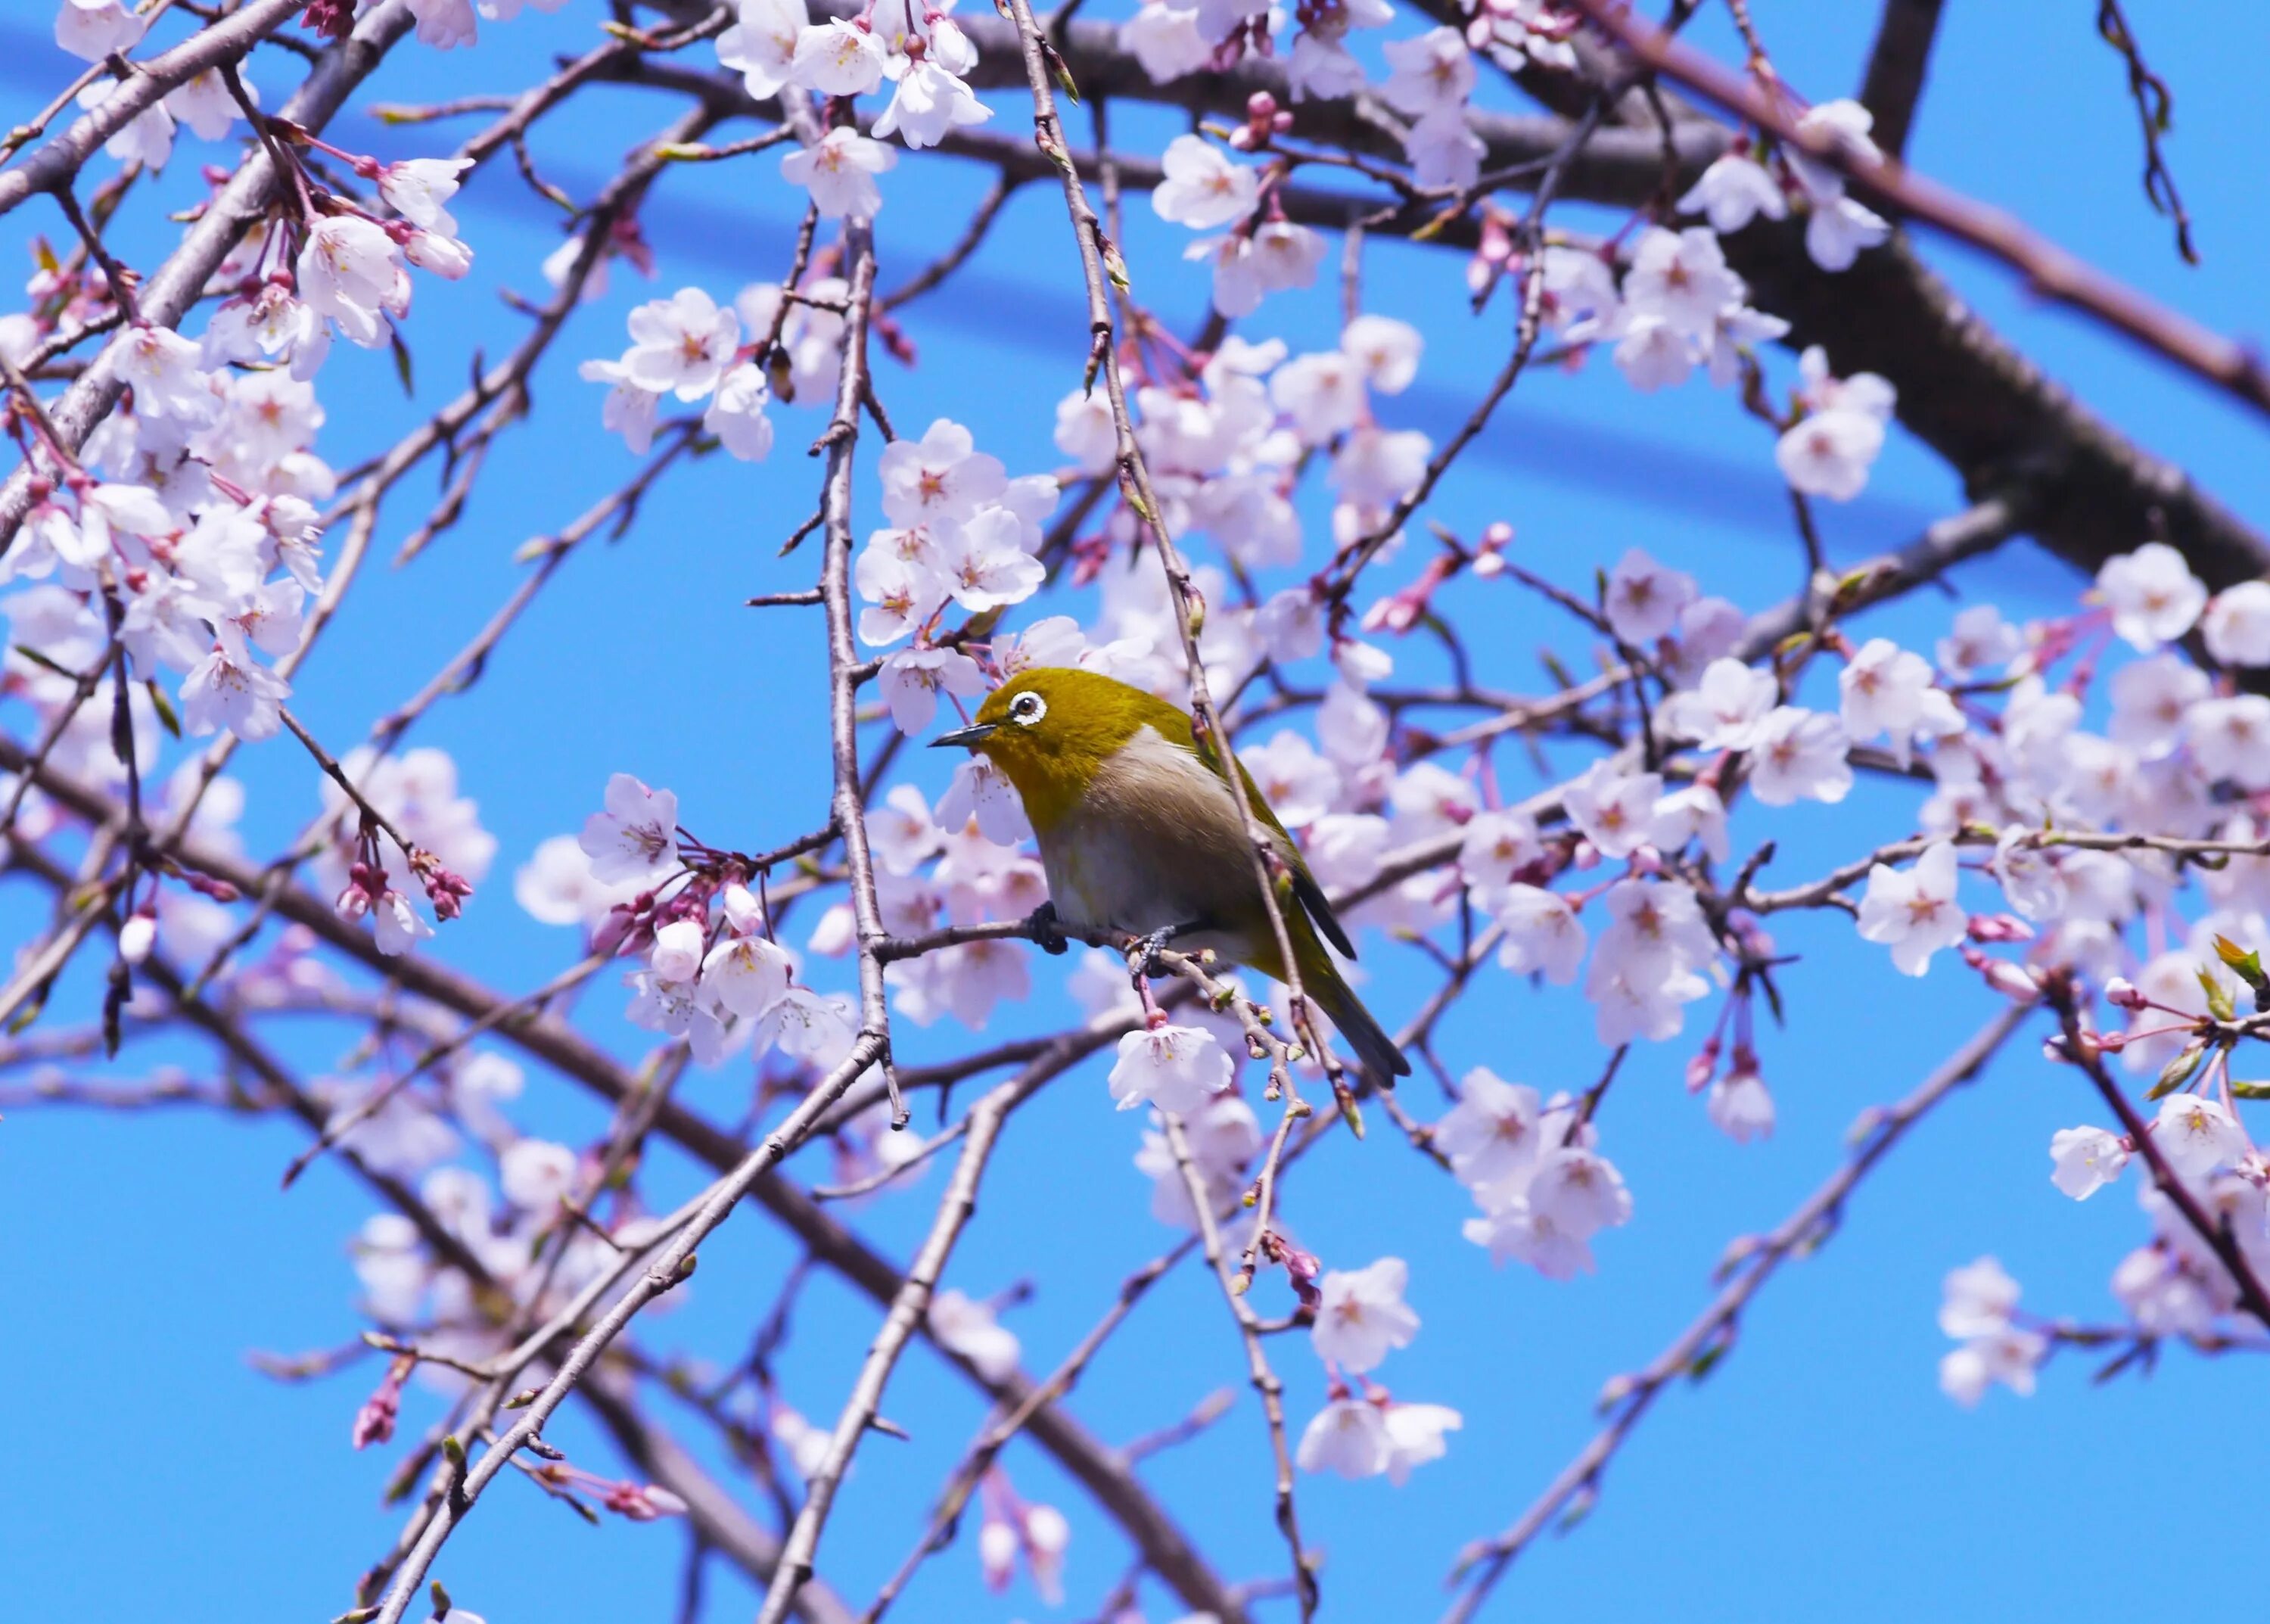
column 93, row 29
column 2196, row 1134
column 1492, row 1135
column 839, row 170
column 419, row 188
column 979, row 791
column 1980, row 641
column 1680, row 277
column 1348, row 1436
column 1432, row 74
column 203, row 102
column 1177, row 1069
column 737, row 416
column 984, row 564
column 166, row 372
column 761, row 46
column 1644, row 598
column 940, row 476
column 2237, row 625
column 2230, row 738
column 2153, row 595
column 1727, row 709
column 1386, row 350
column 1800, row 755
column 445, row 24
column 913, row 677
column 395, row 925
column 1164, row 38
column 1734, row 190
column 658, row 1005
column 2086, row 1160
column 1829, row 453
column 1739, row 1103
column 1362, row 1315
column 1542, row 933
column 348, row 271
column 745, row 976
column 1612, row 809
column 682, row 343
column 147, row 138
column 1222, row 1134
column 1976, row 1300
column 678, row 948
column 2008, row 1356
column 1414, row 1436
column 805, row 1025
column 1888, row 689
column 1299, row 785
column 229, row 689
column 628, row 410
column 636, row 837
column 1086, row 432
column 1838, row 231
column 1913, row 912
column 1496, row 843
column 1202, row 188
column 964, row 1326
column 1444, row 154
column 1653, row 355
column 838, row 58
column 929, row 103
column 536, row 1175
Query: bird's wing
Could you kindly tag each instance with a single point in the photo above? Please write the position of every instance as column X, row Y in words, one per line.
column 1311, row 894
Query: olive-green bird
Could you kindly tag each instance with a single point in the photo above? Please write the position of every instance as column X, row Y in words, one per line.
column 1139, row 838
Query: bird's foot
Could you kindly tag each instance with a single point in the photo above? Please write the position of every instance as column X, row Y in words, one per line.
column 1143, row 952
column 1047, row 930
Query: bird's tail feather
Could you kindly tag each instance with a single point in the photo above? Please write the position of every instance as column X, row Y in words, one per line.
column 1320, row 979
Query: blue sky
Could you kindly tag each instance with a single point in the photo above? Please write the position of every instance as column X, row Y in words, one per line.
column 1817, row 1473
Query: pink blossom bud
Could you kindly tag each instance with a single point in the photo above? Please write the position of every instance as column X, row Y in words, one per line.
column 1584, row 856
column 1999, row 928
column 2013, row 980
column 2122, row 993
column 1702, row 1067
column 445, row 257
column 643, row 1503
column 2111, row 1043
column 373, row 1423
column 354, row 902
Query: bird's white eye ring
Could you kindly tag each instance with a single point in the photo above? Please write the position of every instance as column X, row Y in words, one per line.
column 1028, row 707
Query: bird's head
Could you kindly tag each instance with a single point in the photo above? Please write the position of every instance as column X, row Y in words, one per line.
column 1050, row 730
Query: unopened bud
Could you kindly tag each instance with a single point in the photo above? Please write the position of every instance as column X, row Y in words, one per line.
column 1999, row 928
column 2122, row 993
column 136, row 938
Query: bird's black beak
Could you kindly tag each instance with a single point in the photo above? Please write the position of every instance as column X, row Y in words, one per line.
column 968, row 738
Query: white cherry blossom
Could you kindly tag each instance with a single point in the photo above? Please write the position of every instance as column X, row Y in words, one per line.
column 1202, row 189
column 2086, row 1160
column 1362, row 1315
column 839, row 171
column 1178, row 1069
column 1914, row 911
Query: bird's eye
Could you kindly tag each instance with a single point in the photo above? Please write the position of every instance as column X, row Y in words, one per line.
column 1028, row 707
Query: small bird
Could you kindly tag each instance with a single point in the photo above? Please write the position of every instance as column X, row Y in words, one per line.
column 1139, row 838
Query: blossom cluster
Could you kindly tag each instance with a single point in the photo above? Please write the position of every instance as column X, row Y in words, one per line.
column 1364, row 1432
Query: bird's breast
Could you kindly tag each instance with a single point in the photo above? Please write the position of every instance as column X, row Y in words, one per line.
column 1154, row 842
